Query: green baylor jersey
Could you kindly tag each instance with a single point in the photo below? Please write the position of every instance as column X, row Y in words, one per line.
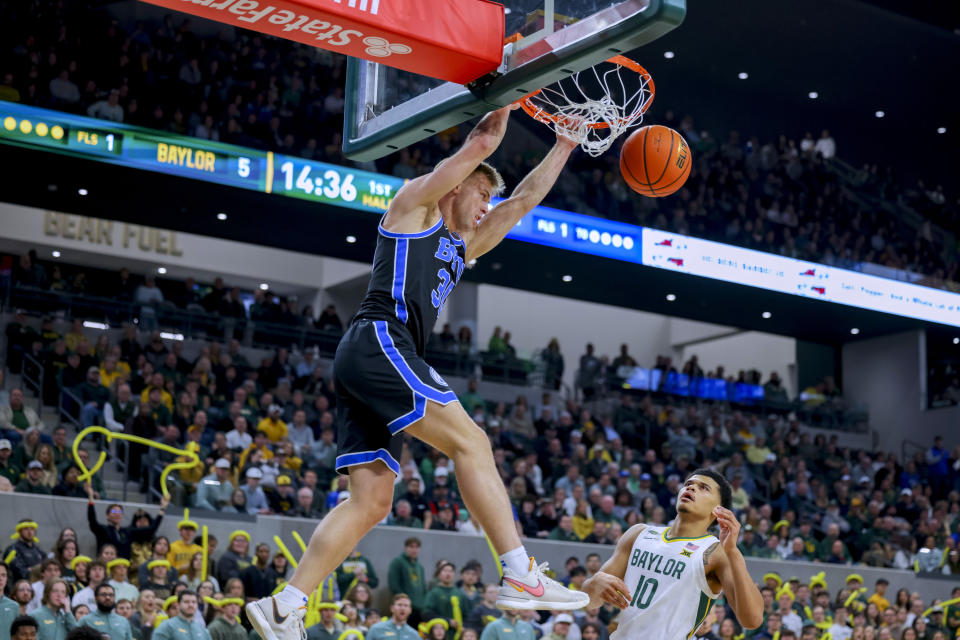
column 669, row 595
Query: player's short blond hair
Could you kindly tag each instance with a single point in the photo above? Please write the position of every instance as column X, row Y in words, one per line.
column 489, row 172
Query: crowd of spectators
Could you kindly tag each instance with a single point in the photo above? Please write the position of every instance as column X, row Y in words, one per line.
column 137, row 585
column 265, row 432
column 248, row 89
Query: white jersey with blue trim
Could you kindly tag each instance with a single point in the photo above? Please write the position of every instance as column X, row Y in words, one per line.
column 669, row 594
column 413, row 275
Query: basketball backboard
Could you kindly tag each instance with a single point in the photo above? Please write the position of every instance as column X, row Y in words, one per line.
column 388, row 109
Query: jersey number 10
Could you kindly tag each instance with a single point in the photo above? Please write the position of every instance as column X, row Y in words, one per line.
column 643, row 594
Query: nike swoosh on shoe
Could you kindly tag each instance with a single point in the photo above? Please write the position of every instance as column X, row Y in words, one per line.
column 536, row 592
column 276, row 613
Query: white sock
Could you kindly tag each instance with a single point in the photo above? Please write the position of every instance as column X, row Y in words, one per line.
column 517, row 561
column 292, row 597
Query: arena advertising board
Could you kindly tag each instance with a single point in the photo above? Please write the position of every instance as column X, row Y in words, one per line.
column 719, row 261
column 273, row 173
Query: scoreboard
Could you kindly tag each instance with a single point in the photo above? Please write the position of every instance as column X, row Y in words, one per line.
column 226, row 164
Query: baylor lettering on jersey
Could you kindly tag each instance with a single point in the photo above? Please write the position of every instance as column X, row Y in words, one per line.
column 669, row 594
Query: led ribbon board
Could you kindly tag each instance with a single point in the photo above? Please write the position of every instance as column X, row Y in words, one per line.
column 320, row 182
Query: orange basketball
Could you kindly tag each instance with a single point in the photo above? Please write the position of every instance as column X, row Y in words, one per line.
column 655, row 161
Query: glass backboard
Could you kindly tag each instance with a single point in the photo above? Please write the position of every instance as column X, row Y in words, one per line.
column 388, row 109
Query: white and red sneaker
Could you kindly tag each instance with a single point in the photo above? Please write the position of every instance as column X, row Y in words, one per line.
column 536, row 591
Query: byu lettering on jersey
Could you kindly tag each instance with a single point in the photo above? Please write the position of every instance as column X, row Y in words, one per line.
column 381, row 380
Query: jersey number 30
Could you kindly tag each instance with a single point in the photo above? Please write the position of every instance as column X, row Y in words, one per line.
column 643, row 594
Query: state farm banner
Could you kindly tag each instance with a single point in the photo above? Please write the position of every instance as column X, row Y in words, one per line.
column 454, row 41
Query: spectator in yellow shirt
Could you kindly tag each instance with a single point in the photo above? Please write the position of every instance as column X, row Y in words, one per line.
column 259, row 444
column 110, row 372
column 156, row 382
column 758, row 451
column 272, row 425
column 182, row 550
column 879, row 590
column 740, row 499
column 286, row 458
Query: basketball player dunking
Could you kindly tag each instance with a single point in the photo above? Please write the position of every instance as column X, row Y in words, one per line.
column 665, row 579
column 436, row 224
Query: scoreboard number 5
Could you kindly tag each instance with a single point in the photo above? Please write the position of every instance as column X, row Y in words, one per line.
column 243, row 167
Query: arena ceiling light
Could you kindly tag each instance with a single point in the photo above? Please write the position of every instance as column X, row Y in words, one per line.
column 264, row 286
column 956, row 341
column 55, row 254
column 221, row 216
column 743, row 75
column 854, row 331
column 668, row 55
column 766, row 315
column 161, row 270
column 880, row 114
column 941, row 129
column 351, row 239
column 90, row 324
column 171, row 336
column 813, row 95
column 671, row 297
column 82, row 191
column 567, row 278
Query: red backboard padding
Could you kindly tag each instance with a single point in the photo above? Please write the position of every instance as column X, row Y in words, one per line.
column 454, row 41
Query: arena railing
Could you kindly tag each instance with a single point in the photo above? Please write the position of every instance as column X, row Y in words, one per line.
column 32, row 378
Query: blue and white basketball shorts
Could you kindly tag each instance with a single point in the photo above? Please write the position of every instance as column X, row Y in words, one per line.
column 382, row 387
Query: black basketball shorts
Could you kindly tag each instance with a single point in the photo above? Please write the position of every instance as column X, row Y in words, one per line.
column 382, row 387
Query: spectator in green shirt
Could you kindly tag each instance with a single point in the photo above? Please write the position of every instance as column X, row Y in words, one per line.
column 182, row 626
column 9, row 609
column 33, row 481
column 564, row 530
column 8, row 470
column 395, row 628
column 825, row 550
column 329, row 627
column 509, row 627
column 104, row 619
column 54, row 619
column 406, row 576
column 439, row 600
column 356, row 568
column 225, row 625
column 497, row 343
column 471, row 399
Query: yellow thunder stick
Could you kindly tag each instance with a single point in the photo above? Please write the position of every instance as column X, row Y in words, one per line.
column 190, row 452
column 203, row 553
column 303, row 546
column 286, row 552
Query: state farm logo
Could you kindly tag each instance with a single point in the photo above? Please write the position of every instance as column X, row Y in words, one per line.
column 381, row 48
column 283, row 21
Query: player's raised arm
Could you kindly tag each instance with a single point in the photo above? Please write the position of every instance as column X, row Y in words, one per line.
column 607, row 584
column 480, row 143
column 724, row 562
column 528, row 194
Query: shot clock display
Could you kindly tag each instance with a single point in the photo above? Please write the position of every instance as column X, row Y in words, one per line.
column 320, row 182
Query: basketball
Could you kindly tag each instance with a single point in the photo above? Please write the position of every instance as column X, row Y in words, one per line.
column 655, row 161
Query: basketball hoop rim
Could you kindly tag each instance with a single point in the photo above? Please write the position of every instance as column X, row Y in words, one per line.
column 540, row 115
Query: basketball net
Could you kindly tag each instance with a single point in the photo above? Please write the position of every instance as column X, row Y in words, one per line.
column 595, row 106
